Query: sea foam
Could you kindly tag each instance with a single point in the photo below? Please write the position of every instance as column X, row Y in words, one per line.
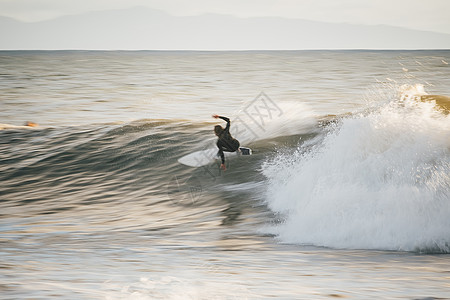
column 379, row 180
column 258, row 121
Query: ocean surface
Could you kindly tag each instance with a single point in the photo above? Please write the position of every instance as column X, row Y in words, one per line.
column 346, row 195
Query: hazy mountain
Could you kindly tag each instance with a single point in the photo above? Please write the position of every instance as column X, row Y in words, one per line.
column 143, row 28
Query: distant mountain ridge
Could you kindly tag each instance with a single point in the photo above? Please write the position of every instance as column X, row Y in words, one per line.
column 147, row 29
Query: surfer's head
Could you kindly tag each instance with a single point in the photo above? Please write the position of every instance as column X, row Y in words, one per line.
column 31, row 124
column 218, row 130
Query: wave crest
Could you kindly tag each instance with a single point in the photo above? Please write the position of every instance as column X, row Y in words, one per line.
column 376, row 181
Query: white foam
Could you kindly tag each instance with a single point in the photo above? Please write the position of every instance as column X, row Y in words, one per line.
column 178, row 288
column 378, row 181
column 286, row 118
column 411, row 92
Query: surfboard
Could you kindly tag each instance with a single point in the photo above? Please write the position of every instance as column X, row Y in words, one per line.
column 205, row 157
column 9, row 126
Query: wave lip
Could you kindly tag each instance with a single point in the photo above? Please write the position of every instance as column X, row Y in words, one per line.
column 417, row 93
column 377, row 181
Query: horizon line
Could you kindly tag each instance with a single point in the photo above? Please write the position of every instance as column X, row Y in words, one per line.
column 225, row 50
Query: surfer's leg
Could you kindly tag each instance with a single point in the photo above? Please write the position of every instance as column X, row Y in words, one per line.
column 229, row 146
column 227, row 149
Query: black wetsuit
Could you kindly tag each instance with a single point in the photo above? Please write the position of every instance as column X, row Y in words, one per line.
column 226, row 142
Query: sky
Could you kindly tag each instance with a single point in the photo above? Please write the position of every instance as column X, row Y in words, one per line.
column 428, row 15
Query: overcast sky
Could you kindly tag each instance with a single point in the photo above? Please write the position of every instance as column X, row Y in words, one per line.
column 430, row 15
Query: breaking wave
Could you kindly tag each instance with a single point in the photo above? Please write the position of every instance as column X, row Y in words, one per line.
column 378, row 180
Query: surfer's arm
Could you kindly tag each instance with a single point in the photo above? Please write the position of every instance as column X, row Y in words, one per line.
column 222, row 156
column 227, row 128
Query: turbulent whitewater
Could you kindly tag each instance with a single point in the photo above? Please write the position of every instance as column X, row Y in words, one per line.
column 375, row 180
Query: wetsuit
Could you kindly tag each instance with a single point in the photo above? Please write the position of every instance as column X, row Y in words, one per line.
column 226, row 142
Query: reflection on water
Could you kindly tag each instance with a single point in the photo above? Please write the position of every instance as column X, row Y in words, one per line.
column 103, row 210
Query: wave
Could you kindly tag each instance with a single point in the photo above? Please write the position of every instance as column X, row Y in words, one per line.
column 84, row 164
column 378, row 180
column 109, row 162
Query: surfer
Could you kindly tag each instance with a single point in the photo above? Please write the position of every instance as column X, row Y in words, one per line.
column 30, row 124
column 225, row 142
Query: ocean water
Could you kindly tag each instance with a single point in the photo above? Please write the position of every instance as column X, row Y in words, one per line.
column 346, row 195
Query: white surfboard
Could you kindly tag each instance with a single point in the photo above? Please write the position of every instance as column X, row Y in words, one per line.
column 205, row 157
